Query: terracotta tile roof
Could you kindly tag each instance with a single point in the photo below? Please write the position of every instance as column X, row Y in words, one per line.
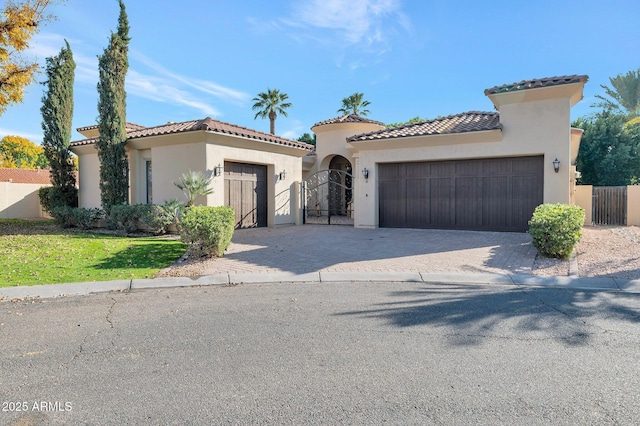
column 537, row 83
column 207, row 124
column 473, row 121
column 39, row 176
column 129, row 126
column 349, row 118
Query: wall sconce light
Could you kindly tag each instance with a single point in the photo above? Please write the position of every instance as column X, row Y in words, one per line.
column 282, row 175
column 556, row 165
column 217, row 170
column 365, row 174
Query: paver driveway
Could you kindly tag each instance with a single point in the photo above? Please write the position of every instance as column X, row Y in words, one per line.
column 312, row 248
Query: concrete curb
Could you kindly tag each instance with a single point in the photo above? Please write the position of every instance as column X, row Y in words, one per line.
column 58, row 290
column 521, row 280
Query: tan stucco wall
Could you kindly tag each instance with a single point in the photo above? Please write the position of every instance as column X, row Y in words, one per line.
column 331, row 140
column 584, row 199
column 633, row 205
column 530, row 128
column 168, row 163
column 20, row 200
column 88, row 178
column 282, row 205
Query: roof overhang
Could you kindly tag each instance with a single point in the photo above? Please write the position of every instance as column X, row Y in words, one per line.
column 481, row 136
column 572, row 91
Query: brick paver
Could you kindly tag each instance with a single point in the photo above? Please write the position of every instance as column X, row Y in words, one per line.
column 313, row 248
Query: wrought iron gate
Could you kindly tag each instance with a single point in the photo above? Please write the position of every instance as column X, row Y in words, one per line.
column 328, row 198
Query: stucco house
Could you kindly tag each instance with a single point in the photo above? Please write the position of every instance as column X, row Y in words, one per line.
column 474, row 170
column 253, row 171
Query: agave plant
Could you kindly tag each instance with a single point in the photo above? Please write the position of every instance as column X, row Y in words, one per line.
column 194, row 185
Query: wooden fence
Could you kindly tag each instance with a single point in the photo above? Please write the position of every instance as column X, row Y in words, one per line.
column 609, row 205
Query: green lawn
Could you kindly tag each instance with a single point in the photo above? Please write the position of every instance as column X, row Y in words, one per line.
column 42, row 253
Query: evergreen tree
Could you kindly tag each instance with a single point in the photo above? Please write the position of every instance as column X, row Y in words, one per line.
column 57, row 115
column 609, row 152
column 114, row 167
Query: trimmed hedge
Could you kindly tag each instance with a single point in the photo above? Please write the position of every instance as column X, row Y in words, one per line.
column 207, row 230
column 556, row 229
column 68, row 217
column 140, row 217
column 51, row 197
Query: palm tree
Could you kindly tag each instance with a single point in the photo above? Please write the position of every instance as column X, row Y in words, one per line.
column 624, row 94
column 355, row 104
column 270, row 104
column 194, row 185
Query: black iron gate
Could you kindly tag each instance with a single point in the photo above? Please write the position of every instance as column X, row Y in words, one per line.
column 328, row 198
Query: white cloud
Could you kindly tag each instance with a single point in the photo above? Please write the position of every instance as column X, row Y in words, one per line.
column 159, row 90
column 34, row 137
column 208, row 87
column 356, row 21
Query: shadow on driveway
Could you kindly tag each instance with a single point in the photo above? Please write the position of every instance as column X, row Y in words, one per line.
column 531, row 313
column 312, row 248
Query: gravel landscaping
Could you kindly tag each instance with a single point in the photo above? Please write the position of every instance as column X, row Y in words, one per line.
column 603, row 251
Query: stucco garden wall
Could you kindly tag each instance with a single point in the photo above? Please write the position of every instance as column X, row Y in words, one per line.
column 633, row 205
column 20, row 200
column 584, row 199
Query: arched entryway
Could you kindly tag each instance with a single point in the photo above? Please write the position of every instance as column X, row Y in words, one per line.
column 340, row 186
column 329, row 194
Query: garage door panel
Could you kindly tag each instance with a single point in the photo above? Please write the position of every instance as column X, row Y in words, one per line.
column 486, row 194
column 468, row 204
column 390, row 171
column 417, row 202
column 441, row 201
column 523, row 203
column 392, row 212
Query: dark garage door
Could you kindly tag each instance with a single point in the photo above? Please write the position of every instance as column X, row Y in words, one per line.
column 497, row 194
column 245, row 189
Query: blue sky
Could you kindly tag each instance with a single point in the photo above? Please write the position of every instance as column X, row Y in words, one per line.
column 191, row 59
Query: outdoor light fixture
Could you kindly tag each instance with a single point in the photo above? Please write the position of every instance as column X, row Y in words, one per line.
column 282, row 175
column 365, row 174
column 556, row 165
column 217, row 170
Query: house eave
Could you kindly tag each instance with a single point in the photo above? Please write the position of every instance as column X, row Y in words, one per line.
column 481, row 136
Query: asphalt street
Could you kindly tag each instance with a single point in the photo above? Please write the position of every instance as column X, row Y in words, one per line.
column 323, row 353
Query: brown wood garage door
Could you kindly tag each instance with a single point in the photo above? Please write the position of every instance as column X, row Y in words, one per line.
column 497, row 194
column 245, row 189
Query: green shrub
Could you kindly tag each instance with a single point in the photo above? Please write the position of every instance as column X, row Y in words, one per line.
column 44, row 195
column 68, row 217
column 64, row 216
column 207, row 230
column 86, row 218
column 51, row 197
column 556, row 229
column 154, row 218
column 140, row 217
column 123, row 217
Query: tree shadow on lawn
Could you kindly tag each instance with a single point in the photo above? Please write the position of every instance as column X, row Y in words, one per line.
column 525, row 313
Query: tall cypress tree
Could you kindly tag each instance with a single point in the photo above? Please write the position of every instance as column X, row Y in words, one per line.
column 57, row 114
column 114, row 166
